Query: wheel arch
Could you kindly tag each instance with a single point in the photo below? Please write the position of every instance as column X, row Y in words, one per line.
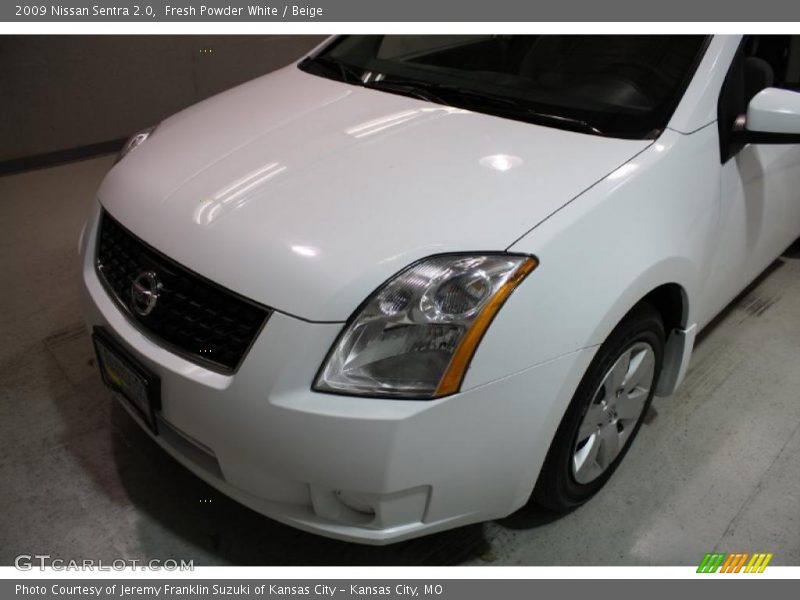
column 671, row 300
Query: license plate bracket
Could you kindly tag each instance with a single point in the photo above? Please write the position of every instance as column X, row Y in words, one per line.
column 134, row 384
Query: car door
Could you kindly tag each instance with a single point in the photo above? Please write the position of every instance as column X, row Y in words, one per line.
column 759, row 183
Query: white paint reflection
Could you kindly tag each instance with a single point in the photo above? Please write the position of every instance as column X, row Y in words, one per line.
column 309, row 251
column 500, row 162
column 234, row 195
column 623, row 171
column 374, row 126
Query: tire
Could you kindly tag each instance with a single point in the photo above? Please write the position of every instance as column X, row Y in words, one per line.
column 575, row 469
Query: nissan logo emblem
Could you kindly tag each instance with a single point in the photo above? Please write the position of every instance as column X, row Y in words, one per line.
column 144, row 293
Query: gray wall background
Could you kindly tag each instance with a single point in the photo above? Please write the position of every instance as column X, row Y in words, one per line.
column 60, row 92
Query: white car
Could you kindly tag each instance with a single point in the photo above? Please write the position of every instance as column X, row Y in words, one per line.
column 414, row 282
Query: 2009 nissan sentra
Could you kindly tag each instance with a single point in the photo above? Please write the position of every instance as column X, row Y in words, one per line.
column 415, row 282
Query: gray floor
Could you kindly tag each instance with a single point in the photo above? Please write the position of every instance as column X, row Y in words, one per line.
column 717, row 467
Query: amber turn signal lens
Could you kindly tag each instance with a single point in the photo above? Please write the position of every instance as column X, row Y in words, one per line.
column 454, row 375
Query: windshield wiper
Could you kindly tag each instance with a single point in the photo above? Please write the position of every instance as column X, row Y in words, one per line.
column 447, row 94
column 437, row 92
column 565, row 122
column 443, row 93
column 425, row 92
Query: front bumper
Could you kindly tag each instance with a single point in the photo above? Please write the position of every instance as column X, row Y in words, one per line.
column 358, row 469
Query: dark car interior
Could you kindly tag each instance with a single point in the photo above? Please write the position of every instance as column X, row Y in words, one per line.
column 634, row 72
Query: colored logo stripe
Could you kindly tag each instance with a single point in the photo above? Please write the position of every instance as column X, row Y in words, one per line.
column 758, row 563
column 734, row 562
column 711, row 562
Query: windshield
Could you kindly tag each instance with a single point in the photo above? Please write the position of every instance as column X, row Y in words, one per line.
column 619, row 86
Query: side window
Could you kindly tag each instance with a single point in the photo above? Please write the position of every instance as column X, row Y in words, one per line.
column 781, row 53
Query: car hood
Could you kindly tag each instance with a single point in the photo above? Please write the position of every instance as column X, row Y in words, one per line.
column 305, row 194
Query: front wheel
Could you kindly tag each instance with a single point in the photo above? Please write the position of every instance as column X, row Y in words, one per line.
column 606, row 412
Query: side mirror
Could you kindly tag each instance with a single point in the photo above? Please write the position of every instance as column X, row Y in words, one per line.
column 773, row 117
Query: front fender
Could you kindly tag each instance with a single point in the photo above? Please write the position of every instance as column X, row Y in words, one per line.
column 650, row 222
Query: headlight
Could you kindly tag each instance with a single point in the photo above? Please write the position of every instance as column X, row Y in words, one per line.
column 136, row 140
column 415, row 336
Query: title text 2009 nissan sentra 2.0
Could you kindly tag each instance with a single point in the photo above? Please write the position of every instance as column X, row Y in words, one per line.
column 415, row 282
